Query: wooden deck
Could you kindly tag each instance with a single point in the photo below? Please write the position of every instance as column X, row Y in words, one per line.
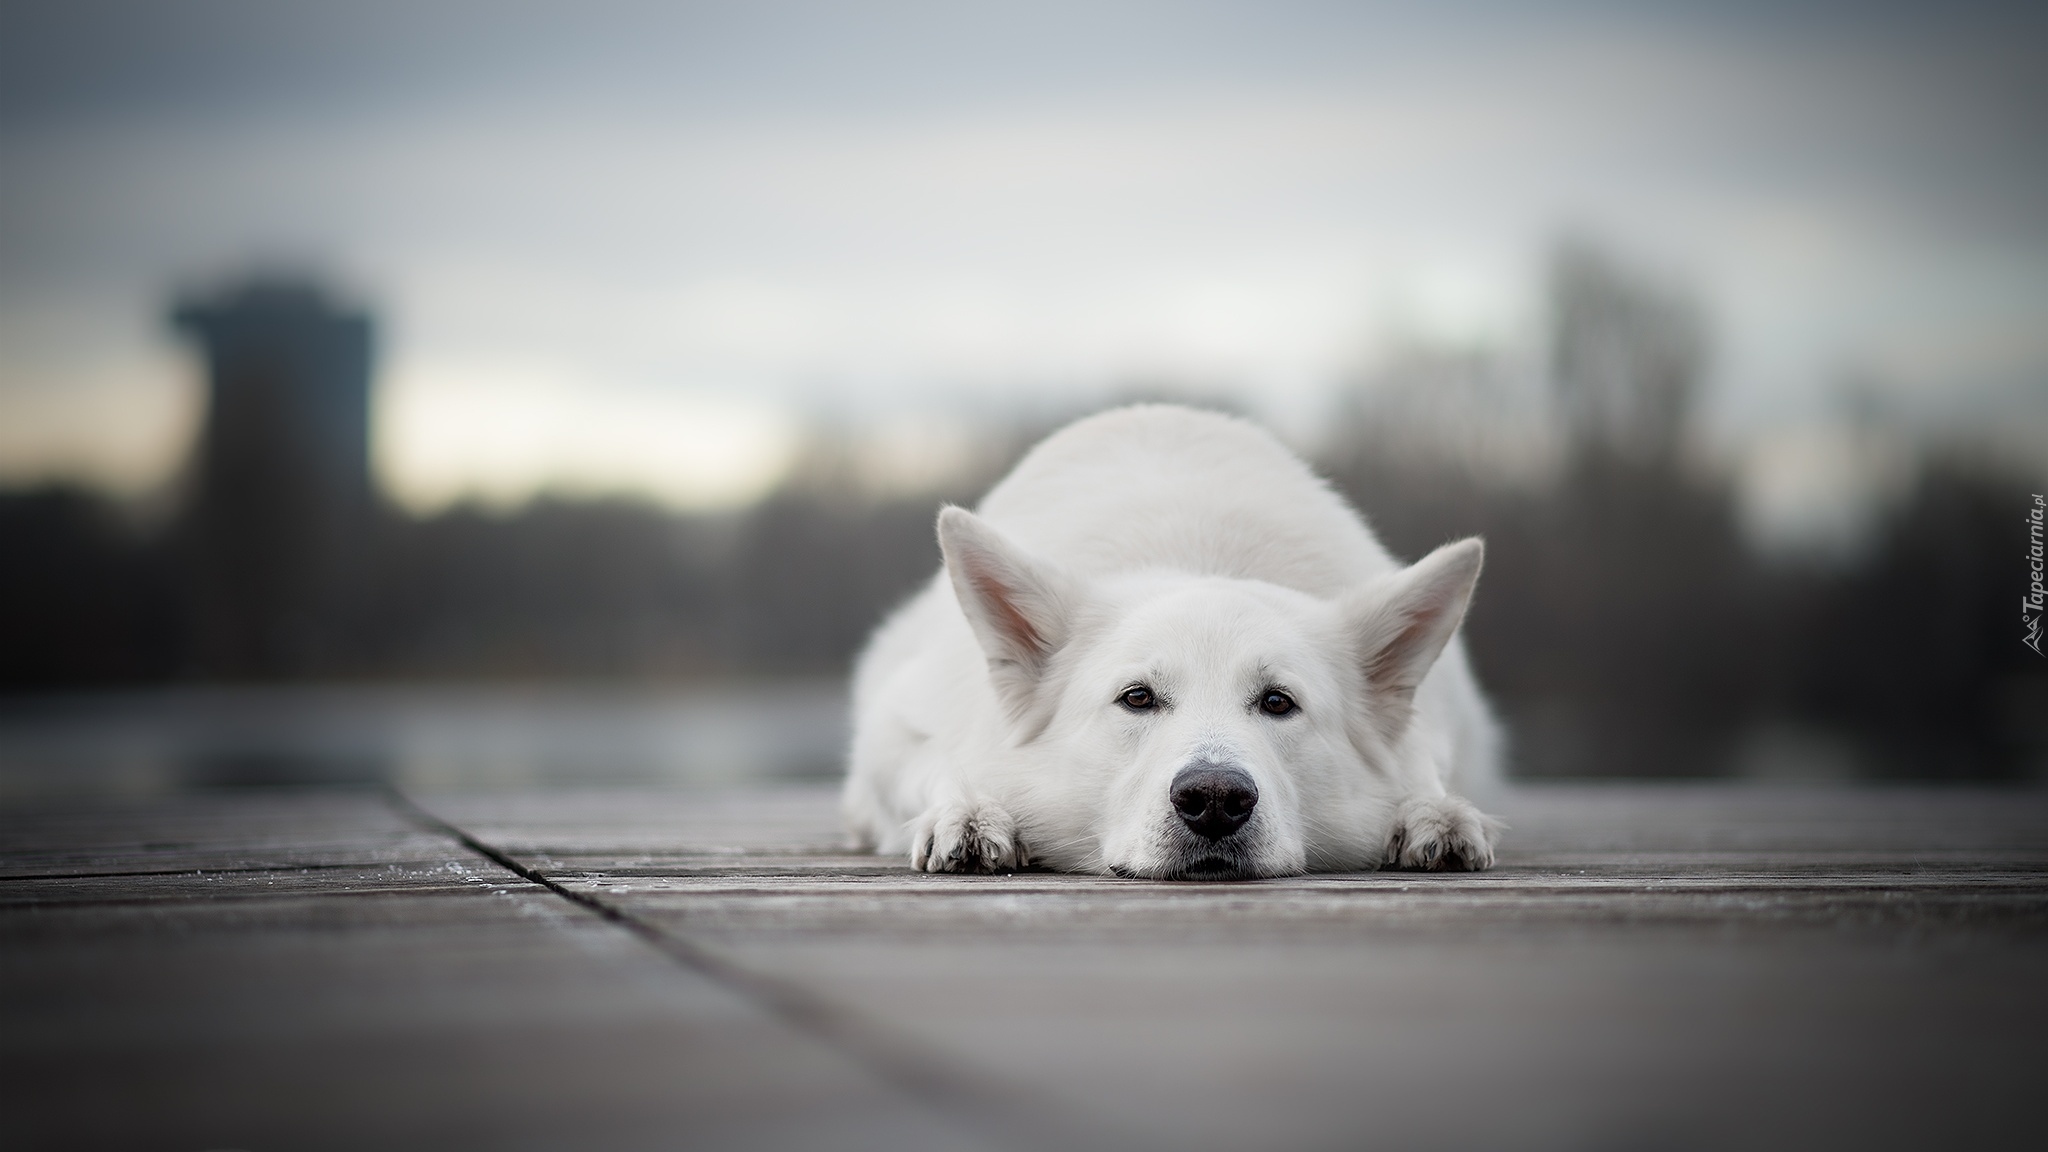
column 1650, row 967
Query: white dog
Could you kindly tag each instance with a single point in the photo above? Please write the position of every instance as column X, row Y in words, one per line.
column 1163, row 648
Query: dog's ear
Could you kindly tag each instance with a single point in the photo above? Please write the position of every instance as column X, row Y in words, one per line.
column 1018, row 605
column 1400, row 623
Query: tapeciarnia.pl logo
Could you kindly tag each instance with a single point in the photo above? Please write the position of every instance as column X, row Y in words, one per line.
column 2036, row 598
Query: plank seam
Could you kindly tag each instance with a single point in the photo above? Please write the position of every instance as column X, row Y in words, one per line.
column 906, row 1066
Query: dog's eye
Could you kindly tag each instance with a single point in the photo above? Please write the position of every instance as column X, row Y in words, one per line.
column 1276, row 703
column 1138, row 698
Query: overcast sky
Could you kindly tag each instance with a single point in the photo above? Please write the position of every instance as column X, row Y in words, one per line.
column 636, row 246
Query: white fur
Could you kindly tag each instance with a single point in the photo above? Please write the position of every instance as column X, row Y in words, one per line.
column 1192, row 553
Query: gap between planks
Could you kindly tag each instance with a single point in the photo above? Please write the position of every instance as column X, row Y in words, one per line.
column 908, row 1066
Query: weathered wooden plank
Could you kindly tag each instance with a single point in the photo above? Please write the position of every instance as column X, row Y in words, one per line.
column 452, row 873
column 1633, row 871
column 1873, row 916
column 445, row 1004
column 1580, row 819
column 213, row 832
column 1687, row 966
column 448, row 1019
column 784, row 820
column 1567, row 1035
column 1280, row 1018
column 1657, row 864
column 660, row 865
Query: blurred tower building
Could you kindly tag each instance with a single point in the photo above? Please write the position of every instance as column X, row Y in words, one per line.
column 281, row 480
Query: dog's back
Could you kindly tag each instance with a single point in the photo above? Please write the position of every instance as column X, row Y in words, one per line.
column 1156, row 486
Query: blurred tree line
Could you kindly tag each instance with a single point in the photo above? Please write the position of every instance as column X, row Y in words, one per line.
column 591, row 589
column 1623, row 624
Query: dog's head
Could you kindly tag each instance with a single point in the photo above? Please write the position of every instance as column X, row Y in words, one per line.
column 1171, row 725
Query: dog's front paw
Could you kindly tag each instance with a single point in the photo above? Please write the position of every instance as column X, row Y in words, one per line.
column 1441, row 834
column 966, row 838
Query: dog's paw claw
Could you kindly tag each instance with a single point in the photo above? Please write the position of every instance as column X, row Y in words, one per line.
column 960, row 838
column 1441, row 834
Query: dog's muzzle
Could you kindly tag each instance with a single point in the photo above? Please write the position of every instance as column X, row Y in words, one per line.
column 1214, row 801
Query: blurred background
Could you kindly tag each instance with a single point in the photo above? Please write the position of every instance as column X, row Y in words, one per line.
column 461, row 393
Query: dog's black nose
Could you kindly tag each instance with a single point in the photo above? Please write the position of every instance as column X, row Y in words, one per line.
column 1214, row 801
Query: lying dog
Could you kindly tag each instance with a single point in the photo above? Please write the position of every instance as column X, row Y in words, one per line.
column 1163, row 648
